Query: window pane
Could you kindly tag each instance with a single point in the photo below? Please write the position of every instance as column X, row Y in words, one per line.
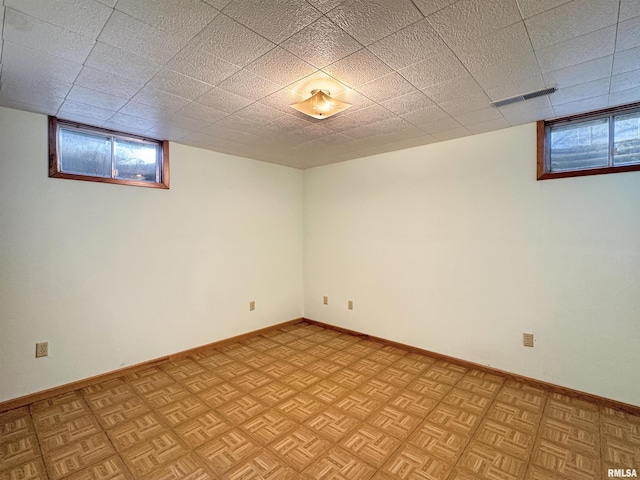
column 627, row 139
column 136, row 160
column 580, row 145
column 85, row 153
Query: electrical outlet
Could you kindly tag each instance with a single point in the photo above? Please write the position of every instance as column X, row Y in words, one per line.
column 527, row 339
column 42, row 349
column 350, row 305
column 325, row 300
column 252, row 305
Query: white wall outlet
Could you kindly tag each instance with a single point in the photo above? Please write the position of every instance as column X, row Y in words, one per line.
column 527, row 339
column 252, row 305
column 325, row 300
column 350, row 305
column 42, row 349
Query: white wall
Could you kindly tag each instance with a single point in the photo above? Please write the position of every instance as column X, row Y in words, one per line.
column 114, row 275
column 456, row 248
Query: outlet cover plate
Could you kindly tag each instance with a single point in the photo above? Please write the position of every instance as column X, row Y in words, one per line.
column 42, row 349
column 527, row 339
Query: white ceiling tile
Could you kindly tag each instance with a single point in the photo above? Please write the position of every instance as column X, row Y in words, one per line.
column 248, row 85
column 577, row 50
column 528, row 111
column 453, row 89
column 259, row 112
column 510, row 72
column 394, row 125
column 202, row 112
column 158, row 98
column 345, row 120
column 111, row 59
column 583, row 91
column 167, row 132
column 223, row 100
column 53, row 40
column 529, row 8
column 581, row 73
column 629, row 9
column 227, row 39
column 370, row 20
column 626, row 60
column 464, row 21
column 426, row 115
column 452, row 134
column 465, row 104
column 411, row 102
column 508, row 90
column 142, row 110
column 95, row 98
column 358, row 68
column 325, row 5
column 280, row 67
column 178, row 84
column 32, row 90
column 410, row 45
column 183, row 19
column 321, row 43
column 437, row 69
column 130, row 34
column 78, row 118
column 427, row 7
column 581, row 106
column 628, row 34
column 31, row 63
column 504, row 45
column 385, row 88
column 571, row 20
column 218, row 4
column 624, row 96
column 201, row 65
column 181, row 121
column 107, row 82
column 275, row 20
column 84, row 17
column 440, row 125
column 625, row 81
column 108, row 3
column 128, row 124
column 489, row 126
column 99, row 114
column 47, row 105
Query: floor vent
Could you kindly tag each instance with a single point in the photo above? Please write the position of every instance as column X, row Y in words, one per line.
column 522, row 98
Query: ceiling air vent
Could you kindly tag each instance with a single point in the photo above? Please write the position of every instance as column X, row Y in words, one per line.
column 522, row 98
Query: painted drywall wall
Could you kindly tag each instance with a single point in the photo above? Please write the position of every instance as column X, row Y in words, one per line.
column 456, row 248
column 113, row 275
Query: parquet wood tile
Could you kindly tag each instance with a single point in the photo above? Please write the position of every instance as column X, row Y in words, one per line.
column 15, row 424
column 202, row 429
column 490, row 463
column 371, row 444
column 331, row 424
column 188, row 467
column 394, row 422
column 112, row 468
column 268, row 426
column 151, row 454
column 409, row 462
column 439, row 442
column 137, row 430
column 304, row 402
column 75, row 456
column 31, row 470
column 338, row 464
column 299, row 448
column 264, row 465
column 18, row 450
column 273, row 393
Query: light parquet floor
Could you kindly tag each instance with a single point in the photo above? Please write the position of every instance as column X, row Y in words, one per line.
column 304, row 402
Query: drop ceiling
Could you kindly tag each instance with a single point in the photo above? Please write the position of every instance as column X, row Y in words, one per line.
column 220, row 74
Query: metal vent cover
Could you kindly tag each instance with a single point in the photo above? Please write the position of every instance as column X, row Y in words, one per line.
column 523, row 97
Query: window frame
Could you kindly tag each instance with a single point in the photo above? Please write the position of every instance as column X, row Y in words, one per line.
column 54, row 155
column 543, row 147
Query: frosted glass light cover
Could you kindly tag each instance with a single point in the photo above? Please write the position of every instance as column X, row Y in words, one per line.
column 320, row 105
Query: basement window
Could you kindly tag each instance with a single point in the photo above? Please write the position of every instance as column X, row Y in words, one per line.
column 607, row 141
column 83, row 152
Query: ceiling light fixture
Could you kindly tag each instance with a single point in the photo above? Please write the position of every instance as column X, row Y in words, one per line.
column 320, row 105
